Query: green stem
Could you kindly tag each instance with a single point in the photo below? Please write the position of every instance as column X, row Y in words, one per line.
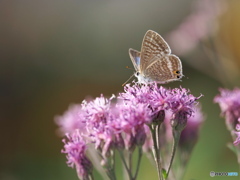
column 130, row 161
column 176, row 137
column 91, row 176
column 125, row 173
column 138, row 162
column 237, row 148
column 113, row 165
column 110, row 171
column 156, row 151
column 158, row 136
column 125, row 164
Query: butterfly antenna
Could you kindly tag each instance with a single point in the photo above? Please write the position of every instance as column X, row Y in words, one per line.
column 129, row 68
column 127, row 80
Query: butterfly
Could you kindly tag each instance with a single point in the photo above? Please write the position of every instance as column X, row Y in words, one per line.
column 155, row 61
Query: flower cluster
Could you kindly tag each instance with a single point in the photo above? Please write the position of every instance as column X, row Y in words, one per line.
column 160, row 98
column 122, row 123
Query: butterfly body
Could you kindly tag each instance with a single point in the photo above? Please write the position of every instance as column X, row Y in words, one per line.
column 155, row 61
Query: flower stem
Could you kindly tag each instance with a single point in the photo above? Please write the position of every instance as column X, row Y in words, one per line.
column 237, row 148
column 110, row 165
column 138, row 162
column 125, row 164
column 111, row 173
column 91, row 177
column 158, row 137
column 130, row 161
column 113, row 165
column 156, row 150
column 176, row 137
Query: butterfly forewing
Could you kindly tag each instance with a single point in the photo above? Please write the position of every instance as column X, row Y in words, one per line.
column 135, row 58
column 153, row 45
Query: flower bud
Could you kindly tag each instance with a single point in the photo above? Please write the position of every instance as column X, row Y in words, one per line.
column 179, row 120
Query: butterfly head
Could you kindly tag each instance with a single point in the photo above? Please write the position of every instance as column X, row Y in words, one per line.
column 142, row 79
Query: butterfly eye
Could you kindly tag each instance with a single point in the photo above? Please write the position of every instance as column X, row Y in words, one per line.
column 177, row 72
column 178, row 77
column 137, row 73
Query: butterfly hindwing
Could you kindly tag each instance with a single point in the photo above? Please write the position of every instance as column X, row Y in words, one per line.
column 164, row 69
column 135, row 57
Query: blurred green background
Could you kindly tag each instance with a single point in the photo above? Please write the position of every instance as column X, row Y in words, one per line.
column 55, row 53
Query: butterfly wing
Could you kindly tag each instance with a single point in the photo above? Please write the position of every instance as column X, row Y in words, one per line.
column 135, row 58
column 164, row 69
column 153, row 45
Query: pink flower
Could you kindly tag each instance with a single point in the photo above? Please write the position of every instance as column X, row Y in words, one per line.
column 159, row 98
column 70, row 120
column 121, row 125
column 229, row 102
column 75, row 150
column 237, row 141
column 237, row 133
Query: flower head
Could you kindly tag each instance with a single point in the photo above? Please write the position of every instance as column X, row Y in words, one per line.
column 229, row 102
column 183, row 101
column 237, row 133
column 75, row 148
column 132, row 116
column 97, row 110
column 130, row 121
column 98, row 115
column 156, row 98
column 237, row 141
column 70, row 120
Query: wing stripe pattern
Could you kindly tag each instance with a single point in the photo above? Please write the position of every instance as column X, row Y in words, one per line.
column 153, row 45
